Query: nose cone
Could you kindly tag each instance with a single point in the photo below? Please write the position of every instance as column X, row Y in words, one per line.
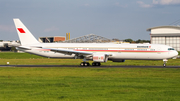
column 175, row 53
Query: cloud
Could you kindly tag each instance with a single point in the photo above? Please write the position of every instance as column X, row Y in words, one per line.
column 7, row 28
column 166, row 2
column 121, row 5
column 51, row 29
column 159, row 2
column 87, row 5
column 117, row 4
column 143, row 5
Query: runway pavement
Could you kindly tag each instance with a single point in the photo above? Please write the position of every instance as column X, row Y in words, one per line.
column 89, row 66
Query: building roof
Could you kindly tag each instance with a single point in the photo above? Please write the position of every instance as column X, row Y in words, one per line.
column 173, row 27
column 91, row 38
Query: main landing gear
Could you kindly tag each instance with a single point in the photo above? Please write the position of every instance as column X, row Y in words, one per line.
column 88, row 64
column 96, row 64
column 84, row 64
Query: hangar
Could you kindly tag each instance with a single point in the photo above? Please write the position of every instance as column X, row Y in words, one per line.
column 167, row 35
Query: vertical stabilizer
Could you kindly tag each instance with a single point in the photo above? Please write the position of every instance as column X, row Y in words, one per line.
column 24, row 34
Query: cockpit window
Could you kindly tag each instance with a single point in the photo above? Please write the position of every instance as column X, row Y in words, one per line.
column 170, row 48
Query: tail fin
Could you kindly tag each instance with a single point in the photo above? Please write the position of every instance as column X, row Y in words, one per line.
column 25, row 35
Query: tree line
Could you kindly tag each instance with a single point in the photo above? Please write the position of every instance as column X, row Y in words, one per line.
column 137, row 41
column 133, row 41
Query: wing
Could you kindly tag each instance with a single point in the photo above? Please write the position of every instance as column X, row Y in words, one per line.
column 69, row 52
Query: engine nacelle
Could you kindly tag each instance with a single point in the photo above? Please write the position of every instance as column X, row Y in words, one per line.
column 118, row 60
column 100, row 57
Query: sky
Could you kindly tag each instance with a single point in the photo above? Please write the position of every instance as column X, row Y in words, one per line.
column 121, row 19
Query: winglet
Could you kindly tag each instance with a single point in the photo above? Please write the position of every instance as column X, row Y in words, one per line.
column 24, row 34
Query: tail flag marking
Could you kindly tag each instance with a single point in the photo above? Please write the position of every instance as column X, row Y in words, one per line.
column 21, row 30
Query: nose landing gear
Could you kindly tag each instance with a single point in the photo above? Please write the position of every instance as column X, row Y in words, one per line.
column 164, row 65
column 165, row 61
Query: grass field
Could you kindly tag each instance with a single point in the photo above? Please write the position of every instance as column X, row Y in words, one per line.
column 89, row 84
column 29, row 59
column 86, row 84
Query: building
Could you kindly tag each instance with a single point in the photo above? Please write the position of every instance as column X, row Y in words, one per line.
column 90, row 38
column 167, row 35
column 51, row 39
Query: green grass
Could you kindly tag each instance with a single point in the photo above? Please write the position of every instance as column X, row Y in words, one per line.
column 12, row 55
column 30, row 59
column 89, row 84
column 86, row 84
column 46, row 61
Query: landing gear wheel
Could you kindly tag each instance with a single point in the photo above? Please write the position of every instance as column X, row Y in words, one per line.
column 87, row 64
column 81, row 64
column 84, row 64
column 96, row 64
column 164, row 65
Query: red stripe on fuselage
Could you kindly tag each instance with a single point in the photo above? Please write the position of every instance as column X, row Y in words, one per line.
column 119, row 51
column 43, row 49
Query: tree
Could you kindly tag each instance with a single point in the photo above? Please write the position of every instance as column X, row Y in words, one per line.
column 13, row 49
column 142, row 41
column 128, row 40
column 137, row 41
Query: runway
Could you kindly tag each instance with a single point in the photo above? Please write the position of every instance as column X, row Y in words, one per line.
column 89, row 66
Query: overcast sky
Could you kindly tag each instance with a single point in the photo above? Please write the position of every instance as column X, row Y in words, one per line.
column 120, row 19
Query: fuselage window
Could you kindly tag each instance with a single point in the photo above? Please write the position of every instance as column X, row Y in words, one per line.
column 152, row 49
column 129, row 49
column 142, row 49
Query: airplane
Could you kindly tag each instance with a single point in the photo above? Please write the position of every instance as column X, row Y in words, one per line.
column 96, row 52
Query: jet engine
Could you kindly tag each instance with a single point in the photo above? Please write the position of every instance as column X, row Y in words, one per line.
column 100, row 57
column 118, row 60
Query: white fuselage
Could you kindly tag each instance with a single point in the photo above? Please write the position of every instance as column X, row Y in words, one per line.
column 117, row 51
